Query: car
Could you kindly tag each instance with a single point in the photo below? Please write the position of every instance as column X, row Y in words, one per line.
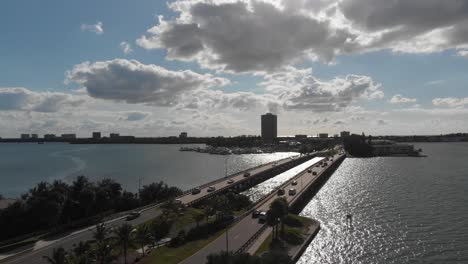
column 262, row 216
column 325, row 164
column 281, row 192
column 309, row 171
column 255, row 213
column 196, row 191
column 230, row 181
column 247, row 174
column 292, row 191
column 314, row 173
column 178, row 201
column 294, row 182
column 211, row 189
column 132, row 215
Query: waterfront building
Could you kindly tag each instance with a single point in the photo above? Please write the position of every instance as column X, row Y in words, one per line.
column 68, row 136
column 96, row 135
column 323, row 135
column 183, row 135
column 269, row 127
column 34, row 136
column 49, row 136
column 25, row 136
column 300, row 136
column 114, row 135
column 344, row 134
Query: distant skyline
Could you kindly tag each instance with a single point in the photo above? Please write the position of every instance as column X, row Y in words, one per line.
column 213, row 67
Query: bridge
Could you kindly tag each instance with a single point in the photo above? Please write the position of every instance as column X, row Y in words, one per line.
column 249, row 231
column 33, row 253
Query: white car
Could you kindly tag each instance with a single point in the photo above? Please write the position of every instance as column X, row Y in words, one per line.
column 211, row 189
column 292, row 191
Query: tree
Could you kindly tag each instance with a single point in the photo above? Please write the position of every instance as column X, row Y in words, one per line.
column 279, row 209
column 100, row 233
column 142, row 236
column 123, row 236
column 198, row 217
column 59, row 256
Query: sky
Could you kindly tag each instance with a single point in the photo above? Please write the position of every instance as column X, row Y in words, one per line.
column 212, row 67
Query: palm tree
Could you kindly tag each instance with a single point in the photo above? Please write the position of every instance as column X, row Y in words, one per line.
column 198, row 217
column 59, row 256
column 279, row 209
column 123, row 236
column 101, row 232
column 142, row 236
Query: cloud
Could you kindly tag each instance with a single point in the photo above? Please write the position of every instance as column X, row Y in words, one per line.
column 399, row 99
column 94, row 28
column 22, row 99
column 436, row 82
column 244, row 36
column 417, row 26
column 298, row 89
column 133, row 82
column 381, row 122
column 463, row 53
column 452, row 102
column 126, row 47
column 134, row 116
column 265, row 36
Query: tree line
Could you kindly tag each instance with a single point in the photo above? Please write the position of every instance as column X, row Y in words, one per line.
column 58, row 204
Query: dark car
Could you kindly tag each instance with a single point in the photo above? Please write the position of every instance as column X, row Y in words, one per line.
column 196, row 191
column 247, row 174
column 314, row 173
column 255, row 213
column 281, row 192
column 309, row 171
column 230, row 181
column 132, row 215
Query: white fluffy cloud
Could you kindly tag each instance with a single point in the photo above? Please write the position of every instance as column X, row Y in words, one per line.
column 94, row 28
column 252, row 35
column 126, row 47
column 298, row 89
column 400, row 99
column 245, row 36
column 450, row 102
column 22, row 99
column 133, row 82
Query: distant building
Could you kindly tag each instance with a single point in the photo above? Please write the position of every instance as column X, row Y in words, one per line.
column 34, row 136
column 300, row 136
column 96, row 135
column 269, row 127
column 114, row 135
column 68, row 136
column 323, row 135
column 344, row 134
column 25, row 136
column 393, row 149
column 183, row 135
column 50, row 136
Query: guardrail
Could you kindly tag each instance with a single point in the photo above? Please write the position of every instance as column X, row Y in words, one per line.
column 252, row 239
column 216, row 192
column 235, row 174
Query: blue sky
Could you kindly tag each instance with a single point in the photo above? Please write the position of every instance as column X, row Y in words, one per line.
column 231, row 80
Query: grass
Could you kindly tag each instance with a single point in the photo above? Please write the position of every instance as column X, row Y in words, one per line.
column 187, row 218
column 169, row 255
column 292, row 233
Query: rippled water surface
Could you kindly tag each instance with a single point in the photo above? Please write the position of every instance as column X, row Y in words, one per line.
column 24, row 165
column 405, row 210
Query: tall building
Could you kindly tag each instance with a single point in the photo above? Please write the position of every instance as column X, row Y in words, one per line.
column 34, row 136
column 25, row 136
column 269, row 127
column 96, row 135
column 344, row 134
column 114, row 135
